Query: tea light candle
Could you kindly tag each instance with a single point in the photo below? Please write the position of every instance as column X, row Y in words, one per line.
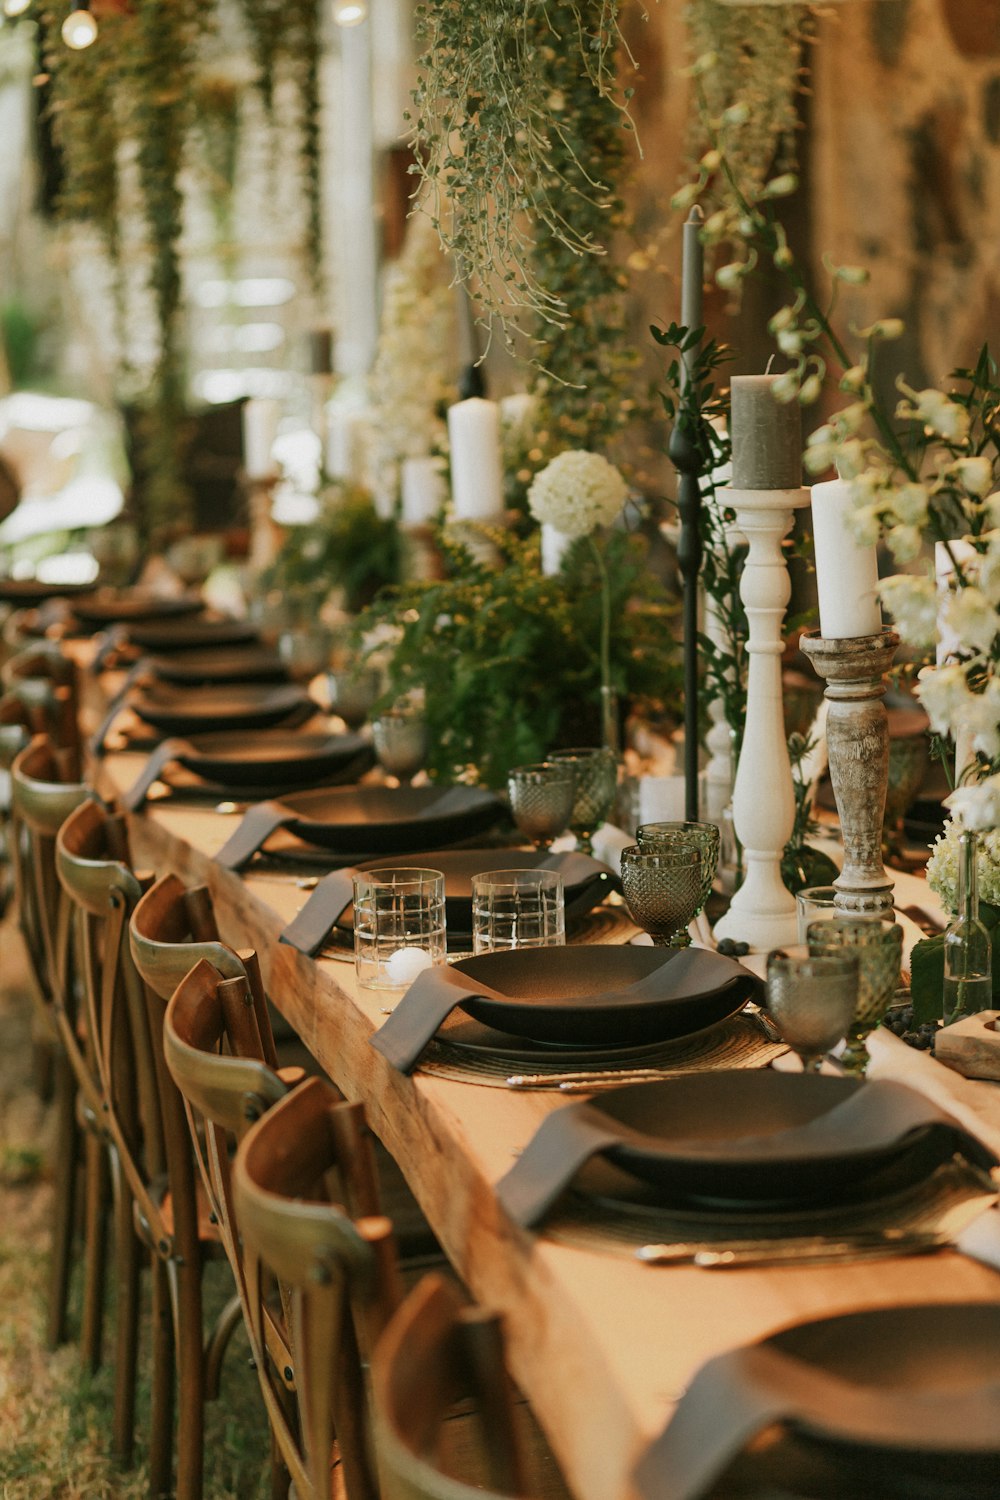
column 476, row 466
column 403, row 966
column 767, row 436
column 846, row 571
column 260, row 428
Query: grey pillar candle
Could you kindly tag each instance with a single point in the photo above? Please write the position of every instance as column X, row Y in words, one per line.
column 767, row 436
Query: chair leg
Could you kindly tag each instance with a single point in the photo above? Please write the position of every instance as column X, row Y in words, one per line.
column 230, row 1318
column 161, row 1436
column 43, row 1068
column 67, row 1150
column 191, row 1384
column 95, row 1235
column 128, row 1266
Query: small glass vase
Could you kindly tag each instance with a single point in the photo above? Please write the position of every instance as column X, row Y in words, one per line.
column 968, row 949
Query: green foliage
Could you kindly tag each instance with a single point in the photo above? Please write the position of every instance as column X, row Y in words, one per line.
column 349, row 547
column 510, row 660
column 519, row 124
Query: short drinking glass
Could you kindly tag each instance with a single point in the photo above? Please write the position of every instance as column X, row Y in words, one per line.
column 812, row 1001
column 517, row 909
column 541, row 800
column 663, row 891
column 399, row 925
column 815, row 904
column 878, row 944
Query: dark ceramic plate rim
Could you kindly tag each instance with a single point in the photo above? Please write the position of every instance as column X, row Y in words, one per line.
column 132, row 611
column 265, row 702
column 261, row 665
column 31, row 591
column 319, row 753
column 482, row 810
column 158, row 638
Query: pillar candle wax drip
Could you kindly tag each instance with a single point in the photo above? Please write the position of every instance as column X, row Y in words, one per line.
column 767, row 436
column 846, row 571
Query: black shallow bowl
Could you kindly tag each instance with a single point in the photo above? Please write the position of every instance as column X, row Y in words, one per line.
column 99, row 610
column 273, row 756
column 168, row 636
column 248, row 663
column 732, row 1135
column 579, row 994
column 391, row 820
column 26, row 592
column 177, row 710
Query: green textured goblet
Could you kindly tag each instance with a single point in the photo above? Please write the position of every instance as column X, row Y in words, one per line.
column 812, row 1001
column 353, row 693
column 402, row 741
column 662, row 891
column 596, row 772
column 653, row 837
column 541, row 799
column 878, row 944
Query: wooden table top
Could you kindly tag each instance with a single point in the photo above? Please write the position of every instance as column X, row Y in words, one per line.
column 602, row 1345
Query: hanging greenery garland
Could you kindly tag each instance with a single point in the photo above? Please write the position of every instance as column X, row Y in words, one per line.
column 520, row 125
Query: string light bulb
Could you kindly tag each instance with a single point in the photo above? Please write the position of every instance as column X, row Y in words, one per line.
column 350, row 12
column 79, row 28
column 12, row 8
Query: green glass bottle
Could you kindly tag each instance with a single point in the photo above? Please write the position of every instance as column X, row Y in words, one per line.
column 968, row 950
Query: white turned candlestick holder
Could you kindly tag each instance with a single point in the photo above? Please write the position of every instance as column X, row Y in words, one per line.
column 762, row 912
column 857, row 737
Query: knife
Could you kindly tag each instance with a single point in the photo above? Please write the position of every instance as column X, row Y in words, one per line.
column 802, row 1250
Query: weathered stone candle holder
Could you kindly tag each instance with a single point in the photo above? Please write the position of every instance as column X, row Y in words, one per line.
column 762, row 912
column 857, row 736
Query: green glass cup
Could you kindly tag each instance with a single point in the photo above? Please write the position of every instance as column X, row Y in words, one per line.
column 596, row 771
column 662, row 890
column 652, row 837
column 878, row 944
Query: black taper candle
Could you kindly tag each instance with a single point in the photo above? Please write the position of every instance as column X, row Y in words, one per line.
column 683, row 450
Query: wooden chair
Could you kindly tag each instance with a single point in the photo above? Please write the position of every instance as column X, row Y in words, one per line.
column 46, row 680
column 171, row 930
column 437, row 1351
column 41, row 800
column 302, row 1176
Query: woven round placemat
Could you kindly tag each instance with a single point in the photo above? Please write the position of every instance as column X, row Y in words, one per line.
column 738, row 1042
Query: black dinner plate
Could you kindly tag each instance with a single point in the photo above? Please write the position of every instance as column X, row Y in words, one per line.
column 248, row 663
column 131, row 606
column 190, row 635
column 732, row 1135
column 27, row 592
column 458, row 866
column 177, row 710
column 578, row 995
column 371, row 820
column 275, row 757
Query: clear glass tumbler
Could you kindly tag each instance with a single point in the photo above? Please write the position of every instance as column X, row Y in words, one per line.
column 517, row 909
column 814, row 904
column 399, row 925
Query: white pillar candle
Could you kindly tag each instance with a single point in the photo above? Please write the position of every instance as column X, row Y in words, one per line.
column 260, row 428
column 555, row 545
column 846, row 571
column 476, row 467
column 949, row 643
column 423, row 490
column 346, row 430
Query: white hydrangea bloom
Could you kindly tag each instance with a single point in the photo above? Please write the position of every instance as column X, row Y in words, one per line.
column 577, row 492
column 942, row 867
column 978, row 807
column 913, row 603
column 944, row 693
column 972, row 618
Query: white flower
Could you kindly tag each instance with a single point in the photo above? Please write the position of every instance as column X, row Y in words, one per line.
column 992, row 503
column 904, row 542
column 910, row 503
column 913, row 603
column 976, row 474
column 942, row 867
column 850, row 458
column 936, row 411
column 577, row 492
column 944, row 693
column 971, row 617
column 977, row 807
column 981, row 719
column 989, row 570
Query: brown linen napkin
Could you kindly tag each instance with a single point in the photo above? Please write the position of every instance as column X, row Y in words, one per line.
column 569, row 1137
column 253, row 833
column 738, row 1395
column 309, row 929
column 434, row 994
column 157, row 762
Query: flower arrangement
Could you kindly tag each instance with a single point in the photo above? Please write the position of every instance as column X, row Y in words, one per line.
column 942, row 867
column 577, row 492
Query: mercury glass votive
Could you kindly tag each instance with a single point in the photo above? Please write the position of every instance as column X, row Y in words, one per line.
column 662, row 891
column 878, row 944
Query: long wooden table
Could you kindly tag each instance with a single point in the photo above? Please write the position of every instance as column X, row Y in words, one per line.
column 602, row 1345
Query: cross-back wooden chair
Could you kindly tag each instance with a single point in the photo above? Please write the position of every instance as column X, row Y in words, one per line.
column 171, row 930
column 436, row 1352
column 47, row 682
column 41, row 800
column 299, row 1177
column 216, row 1054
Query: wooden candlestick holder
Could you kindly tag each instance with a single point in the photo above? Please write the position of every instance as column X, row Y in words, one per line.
column 762, row 912
column 857, row 735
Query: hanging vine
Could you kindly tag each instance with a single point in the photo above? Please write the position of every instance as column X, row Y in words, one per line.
column 520, row 123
